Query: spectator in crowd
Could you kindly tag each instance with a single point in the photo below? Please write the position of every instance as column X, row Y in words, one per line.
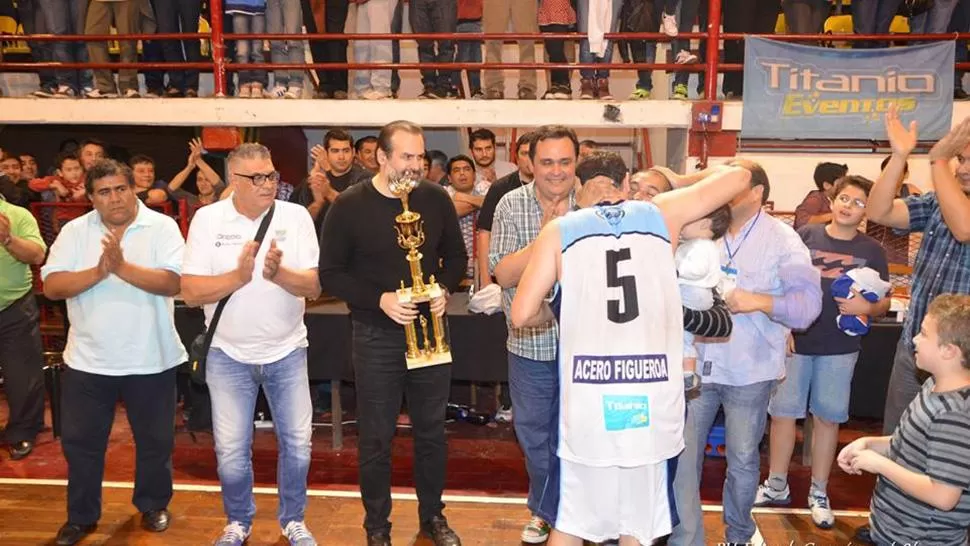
column 690, row 11
column 467, row 195
column 816, row 207
column 470, row 51
column 533, row 368
column 943, row 262
column 67, row 17
column 21, row 247
column 11, row 166
column 67, row 184
column 482, row 145
column 249, row 16
column 286, row 17
column 151, row 191
column 818, row 372
column 749, row 17
column 521, row 176
column 770, row 288
column 91, row 151
column 32, row 18
column 272, row 280
column 808, row 16
column 366, row 152
column 364, row 267
column 595, row 83
column 587, row 146
column 639, row 17
column 28, row 164
column 333, row 83
column 645, row 185
column 438, row 170
column 434, row 16
column 870, row 17
column 208, row 184
column 496, row 17
column 172, row 17
column 122, row 343
column 897, row 245
column 332, row 173
column 126, row 17
column 557, row 17
column 373, row 17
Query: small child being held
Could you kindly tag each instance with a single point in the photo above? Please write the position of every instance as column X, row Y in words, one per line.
column 922, row 469
column 699, row 273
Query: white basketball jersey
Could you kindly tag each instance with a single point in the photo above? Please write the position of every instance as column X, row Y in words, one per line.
column 620, row 339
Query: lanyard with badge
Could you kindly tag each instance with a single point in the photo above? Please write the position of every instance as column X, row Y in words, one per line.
column 731, row 269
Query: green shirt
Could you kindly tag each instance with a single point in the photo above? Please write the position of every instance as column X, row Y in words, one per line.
column 15, row 276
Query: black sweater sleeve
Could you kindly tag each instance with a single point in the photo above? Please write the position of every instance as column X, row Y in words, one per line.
column 715, row 322
column 453, row 259
column 336, row 251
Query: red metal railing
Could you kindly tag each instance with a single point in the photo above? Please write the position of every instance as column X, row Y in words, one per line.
column 219, row 66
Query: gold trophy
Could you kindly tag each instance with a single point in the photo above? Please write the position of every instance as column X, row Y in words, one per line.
column 410, row 236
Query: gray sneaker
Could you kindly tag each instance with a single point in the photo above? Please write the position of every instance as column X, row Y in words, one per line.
column 768, row 496
column 234, row 534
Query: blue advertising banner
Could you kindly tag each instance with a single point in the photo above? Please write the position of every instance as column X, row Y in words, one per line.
column 795, row 91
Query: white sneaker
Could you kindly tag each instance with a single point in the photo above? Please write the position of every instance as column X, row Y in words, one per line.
column 536, row 531
column 245, row 91
column 298, row 535
column 818, row 503
column 97, row 94
column 234, row 534
column 767, row 496
column 64, row 92
column 504, row 415
column 685, row 57
column 374, row 94
column 668, row 24
column 132, row 94
column 293, row 92
column 277, row 92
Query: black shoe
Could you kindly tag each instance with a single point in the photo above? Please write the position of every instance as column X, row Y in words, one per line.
column 864, row 535
column 960, row 94
column 19, row 450
column 156, row 521
column 379, row 539
column 439, row 532
column 72, row 533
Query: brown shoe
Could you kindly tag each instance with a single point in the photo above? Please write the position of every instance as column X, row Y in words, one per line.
column 603, row 89
column 586, row 90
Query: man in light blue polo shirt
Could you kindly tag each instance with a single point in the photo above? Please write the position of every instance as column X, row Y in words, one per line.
column 118, row 267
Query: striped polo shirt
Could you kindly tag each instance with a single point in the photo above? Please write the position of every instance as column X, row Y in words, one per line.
column 933, row 438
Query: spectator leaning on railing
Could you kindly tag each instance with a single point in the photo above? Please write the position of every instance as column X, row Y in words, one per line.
column 126, row 17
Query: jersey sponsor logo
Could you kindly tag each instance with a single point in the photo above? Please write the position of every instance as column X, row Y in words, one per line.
column 619, row 369
column 626, row 412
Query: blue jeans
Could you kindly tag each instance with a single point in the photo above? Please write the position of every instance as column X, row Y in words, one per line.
column 67, row 17
column 250, row 51
column 585, row 55
column 176, row 16
column 746, row 412
column 32, row 18
column 233, row 387
column 873, row 17
column 822, row 383
column 534, row 386
column 936, row 20
column 286, row 17
column 435, row 16
column 470, row 52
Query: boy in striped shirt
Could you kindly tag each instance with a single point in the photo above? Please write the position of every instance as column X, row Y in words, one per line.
column 923, row 487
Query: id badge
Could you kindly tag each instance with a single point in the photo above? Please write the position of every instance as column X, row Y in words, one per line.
column 730, row 279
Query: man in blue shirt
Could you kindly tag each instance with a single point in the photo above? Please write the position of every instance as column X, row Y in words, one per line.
column 118, row 267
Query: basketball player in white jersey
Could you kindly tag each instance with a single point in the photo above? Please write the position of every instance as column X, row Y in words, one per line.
column 620, row 349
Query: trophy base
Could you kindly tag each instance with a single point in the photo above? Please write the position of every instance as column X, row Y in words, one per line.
column 426, row 360
column 409, row 295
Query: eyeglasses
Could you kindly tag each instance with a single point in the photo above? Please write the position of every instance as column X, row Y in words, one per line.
column 259, row 179
column 845, row 199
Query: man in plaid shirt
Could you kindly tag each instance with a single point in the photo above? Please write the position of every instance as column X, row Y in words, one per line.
column 943, row 262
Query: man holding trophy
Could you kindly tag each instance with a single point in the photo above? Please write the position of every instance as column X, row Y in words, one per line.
column 392, row 250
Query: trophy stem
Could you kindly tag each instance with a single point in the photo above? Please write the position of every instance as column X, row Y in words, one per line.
column 411, row 337
column 440, row 345
column 414, row 263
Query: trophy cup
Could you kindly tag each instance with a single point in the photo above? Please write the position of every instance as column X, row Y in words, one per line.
column 410, row 236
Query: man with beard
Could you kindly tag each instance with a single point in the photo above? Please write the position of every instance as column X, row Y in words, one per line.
column 364, row 266
column 943, row 262
column 322, row 186
column 482, row 145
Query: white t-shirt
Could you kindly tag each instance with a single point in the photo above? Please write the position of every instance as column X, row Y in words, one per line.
column 698, row 263
column 262, row 322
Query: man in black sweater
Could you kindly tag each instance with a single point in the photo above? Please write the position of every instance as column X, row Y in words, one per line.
column 362, row 264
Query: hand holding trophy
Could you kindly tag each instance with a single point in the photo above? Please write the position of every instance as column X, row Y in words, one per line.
column 410, row 236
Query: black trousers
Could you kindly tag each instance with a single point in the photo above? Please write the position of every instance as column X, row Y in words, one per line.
column 21, row 356
column 89, row 408
column 329, row 51
column 745, row 16
column 382, row 378
column 176, row 16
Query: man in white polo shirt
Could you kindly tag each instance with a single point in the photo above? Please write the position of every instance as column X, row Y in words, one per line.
column 260, row 339
column 118, row 268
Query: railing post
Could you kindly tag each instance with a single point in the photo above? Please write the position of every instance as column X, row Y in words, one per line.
column 713, row 48
column 218, row 48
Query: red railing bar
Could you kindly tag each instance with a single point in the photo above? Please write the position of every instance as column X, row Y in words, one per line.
column 356, row 66
column 713, row 55
column 942, row 37
column 218, row 50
